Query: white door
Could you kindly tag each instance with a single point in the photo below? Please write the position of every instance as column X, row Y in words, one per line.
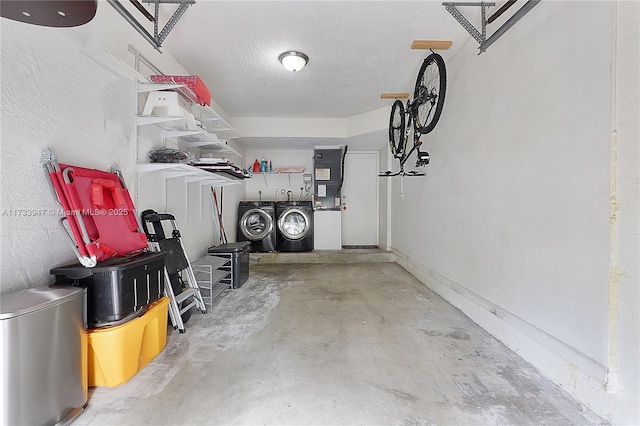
column 360, row 199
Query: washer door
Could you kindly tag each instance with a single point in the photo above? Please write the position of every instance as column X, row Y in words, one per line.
column 294, row 224
column 256, row 224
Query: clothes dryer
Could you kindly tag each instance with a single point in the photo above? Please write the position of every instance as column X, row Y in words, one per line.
column 294, row 226
column 257, row 224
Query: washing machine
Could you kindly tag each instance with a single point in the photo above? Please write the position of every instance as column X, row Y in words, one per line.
column 257, row 223
column 294, row 226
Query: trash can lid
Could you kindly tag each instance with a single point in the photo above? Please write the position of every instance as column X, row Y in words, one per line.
column 20, row 302
column 231, row 247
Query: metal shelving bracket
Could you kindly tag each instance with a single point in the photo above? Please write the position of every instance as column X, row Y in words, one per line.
column 156, row 39
column 481, row 36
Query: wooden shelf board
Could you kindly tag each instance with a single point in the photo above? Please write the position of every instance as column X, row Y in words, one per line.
column 431, row 44
column 401, row 95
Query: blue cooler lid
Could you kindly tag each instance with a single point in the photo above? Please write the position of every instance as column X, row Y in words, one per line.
column 231, row 247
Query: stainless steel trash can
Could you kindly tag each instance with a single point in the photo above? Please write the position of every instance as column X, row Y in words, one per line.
column 43, row 355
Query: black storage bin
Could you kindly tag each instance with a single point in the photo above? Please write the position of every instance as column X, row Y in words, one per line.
column 118, row 289
column 238, row 253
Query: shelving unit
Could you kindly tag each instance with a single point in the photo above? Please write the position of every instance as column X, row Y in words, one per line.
column 203, row 130
column 210, row 136
column 192, row 136
column 193, row 174
column 213, row 275
column 279, row 173
column 231, row 267
column 265, row 174
column 213, row 123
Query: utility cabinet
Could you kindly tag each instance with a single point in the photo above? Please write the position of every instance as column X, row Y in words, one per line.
column 328, row 165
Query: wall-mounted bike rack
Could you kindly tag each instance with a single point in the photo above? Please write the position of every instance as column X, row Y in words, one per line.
column 156, row 39
column 399, row 95
column 481, row 36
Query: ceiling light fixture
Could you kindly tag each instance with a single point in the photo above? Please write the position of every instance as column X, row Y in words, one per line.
column 293, row 61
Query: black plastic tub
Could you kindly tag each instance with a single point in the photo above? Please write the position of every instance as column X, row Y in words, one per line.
column 118, row 289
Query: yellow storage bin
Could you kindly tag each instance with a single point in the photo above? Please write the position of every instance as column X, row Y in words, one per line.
column 116, row 354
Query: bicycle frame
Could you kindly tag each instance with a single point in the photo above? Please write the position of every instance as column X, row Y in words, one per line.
column 411, row 112
column 420, row 114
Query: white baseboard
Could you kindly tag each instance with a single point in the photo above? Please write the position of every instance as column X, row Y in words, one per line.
column 581, row 376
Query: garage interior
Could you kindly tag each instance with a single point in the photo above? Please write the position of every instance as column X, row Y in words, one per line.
column 505, row 283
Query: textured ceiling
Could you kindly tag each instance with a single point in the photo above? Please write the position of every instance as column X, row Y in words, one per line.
column 357, row 50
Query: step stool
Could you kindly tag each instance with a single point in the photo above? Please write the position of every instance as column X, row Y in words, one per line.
column 167, row 104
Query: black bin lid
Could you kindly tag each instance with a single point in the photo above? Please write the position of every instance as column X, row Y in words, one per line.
column 231, row 247
column 114, row 264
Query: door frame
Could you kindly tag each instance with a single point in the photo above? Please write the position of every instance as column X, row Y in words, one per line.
column 377, row 190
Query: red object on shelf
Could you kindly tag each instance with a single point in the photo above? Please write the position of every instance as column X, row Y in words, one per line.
column 200, row 90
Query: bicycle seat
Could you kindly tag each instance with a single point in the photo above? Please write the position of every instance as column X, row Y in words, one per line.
column 423, row 159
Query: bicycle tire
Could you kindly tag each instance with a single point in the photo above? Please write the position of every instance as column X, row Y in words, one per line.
column 429, row 94
column 397, row 129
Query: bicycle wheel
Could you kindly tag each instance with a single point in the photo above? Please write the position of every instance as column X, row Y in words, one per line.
column 428, row 95
column 396, row 129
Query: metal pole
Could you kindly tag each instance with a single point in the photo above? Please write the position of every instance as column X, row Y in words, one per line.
column 140, row 58
column 170, row 1
column 510, row 23
column 480, row 3
column 500, row 11
column 144, row 11
column 134, row 23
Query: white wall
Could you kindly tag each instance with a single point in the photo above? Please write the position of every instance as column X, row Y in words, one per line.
column 624, row 282
column 384, row 234
column 299, row 128
column 59, row 90
column 272, row 185
column 514, row 214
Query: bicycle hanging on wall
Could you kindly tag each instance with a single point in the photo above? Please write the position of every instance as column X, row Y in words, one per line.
column 420, row 116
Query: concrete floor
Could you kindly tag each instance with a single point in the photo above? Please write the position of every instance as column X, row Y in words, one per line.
column 334, row 344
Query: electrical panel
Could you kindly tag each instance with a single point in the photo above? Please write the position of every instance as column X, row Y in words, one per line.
column 327, row 171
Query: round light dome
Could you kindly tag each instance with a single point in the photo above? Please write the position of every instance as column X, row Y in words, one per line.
column 293, row 61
